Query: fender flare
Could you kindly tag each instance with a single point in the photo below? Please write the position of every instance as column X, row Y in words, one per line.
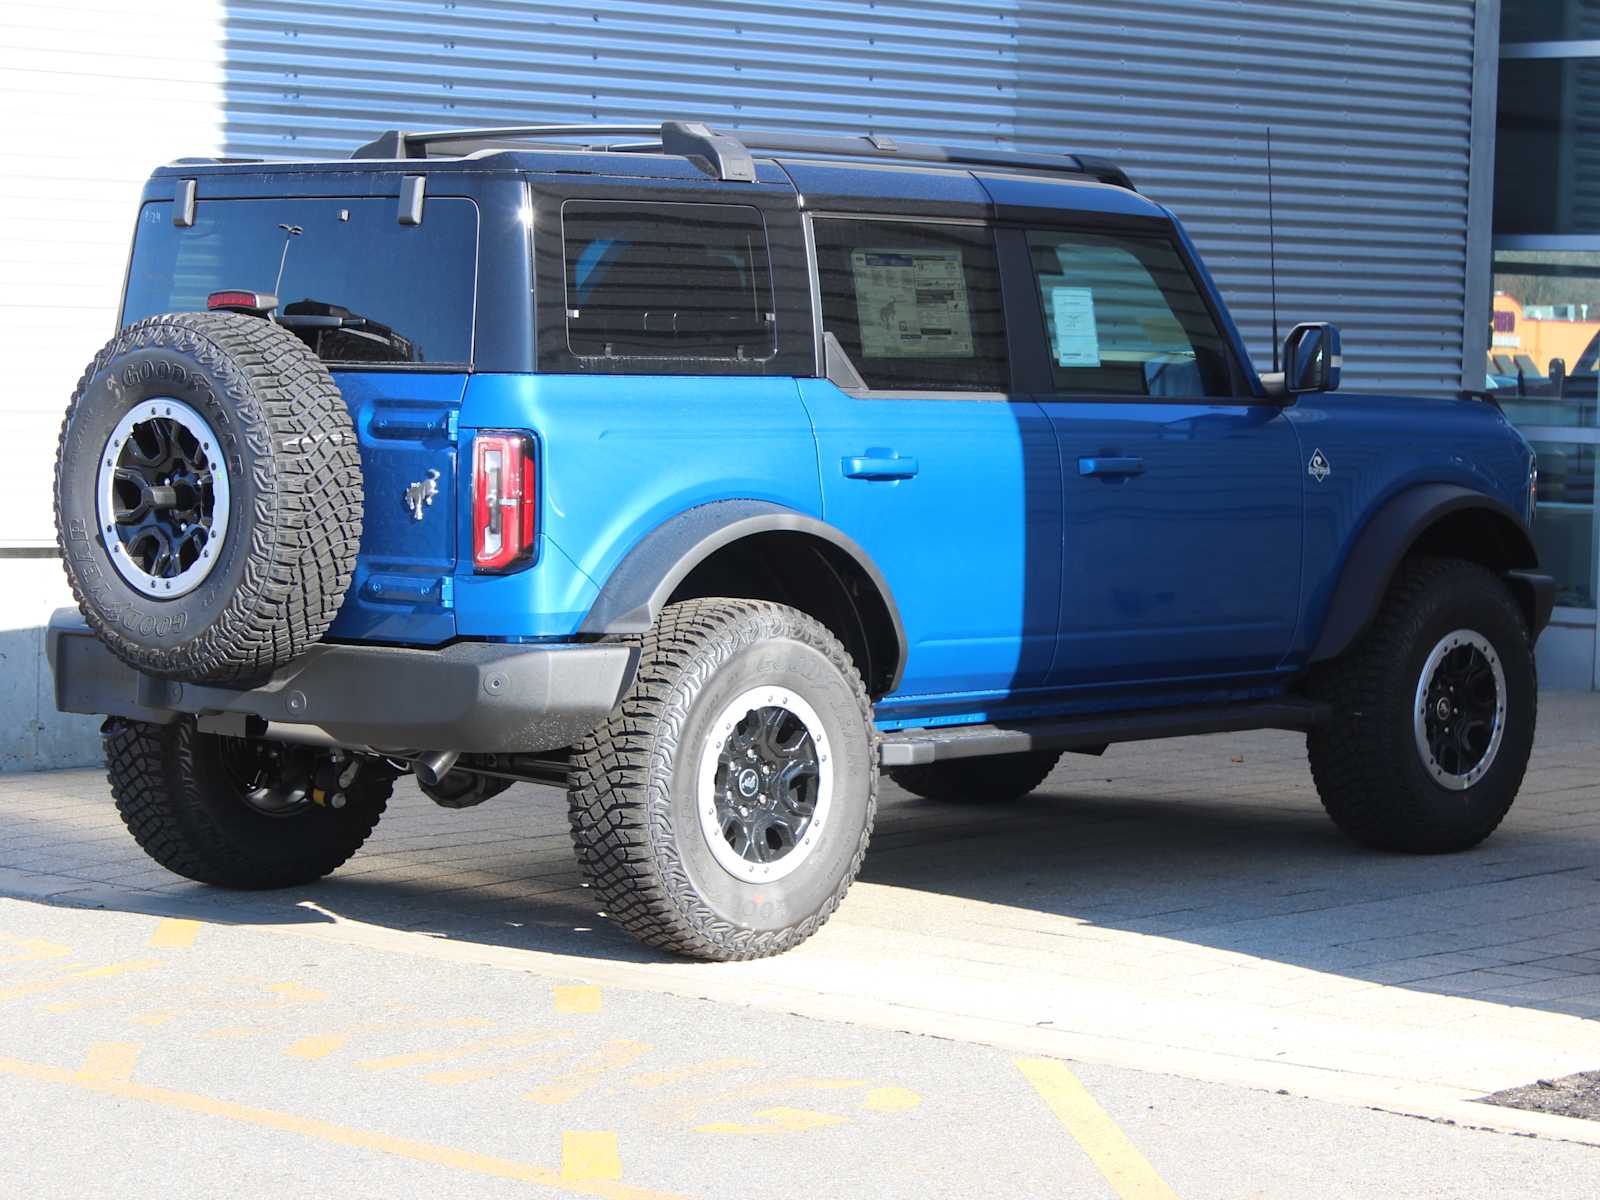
column 638, row 588
column 1385, row 541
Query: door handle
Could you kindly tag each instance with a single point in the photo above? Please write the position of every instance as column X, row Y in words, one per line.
column 878, row 464
column 1110, row 466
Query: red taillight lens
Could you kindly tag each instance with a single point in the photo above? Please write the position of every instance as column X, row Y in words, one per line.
column 504, row 501
column 241, row 301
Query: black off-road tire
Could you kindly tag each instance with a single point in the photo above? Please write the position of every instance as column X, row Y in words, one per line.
column 184, row 808
column 632, row 798
column 1373, row 778
column 294, row 520
column 992, row 779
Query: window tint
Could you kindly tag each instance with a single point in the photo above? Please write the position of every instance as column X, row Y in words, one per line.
column 916, row 307
column 1123, row 316
column 357, row 285
column 667, row 281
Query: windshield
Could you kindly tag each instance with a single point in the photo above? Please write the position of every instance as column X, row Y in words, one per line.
column 352, row 281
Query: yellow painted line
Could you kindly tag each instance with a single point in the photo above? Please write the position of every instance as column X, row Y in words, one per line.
column 577, row 998
column 18, row 991
column 423, row 1058
column 320, row 1045
column 32, row 950
column 111, row 1060
column 777, row 1120
column 1127, row 1171
column 588, row 1156
column 174, row 933
column 612, row 1056
column 155, row 1018
column 516, row 1066
column 327, row 1131
column 295, row 993
column 718, row 1066
column 890, row 1099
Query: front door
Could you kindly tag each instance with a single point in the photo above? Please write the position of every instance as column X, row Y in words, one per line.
column 1181, row 496
column 944, row 475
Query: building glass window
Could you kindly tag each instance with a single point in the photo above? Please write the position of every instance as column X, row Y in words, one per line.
column 915, row 306
column 1544, row 339
column 1548, row 146
column 1565, row 528
column 1548, row 20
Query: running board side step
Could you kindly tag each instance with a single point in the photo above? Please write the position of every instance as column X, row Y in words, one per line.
column 913, row 747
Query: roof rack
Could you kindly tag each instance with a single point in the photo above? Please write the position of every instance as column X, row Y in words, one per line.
column 728, row 154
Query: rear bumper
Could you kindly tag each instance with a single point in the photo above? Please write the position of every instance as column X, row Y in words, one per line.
column 475, row 697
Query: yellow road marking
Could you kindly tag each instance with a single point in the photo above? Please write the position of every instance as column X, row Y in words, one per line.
column 1127, row 1171
column 18, row 991
column 612, row 1056
column 174, row 933
column 587, row 1156
column 295, row 993
column 155, row 1018
column 321, row 1045
column 422, row 1058
column 890, row 1099
column 577, row 998
column 32, row 949
column 777, row 1120
column 111, row 1060
column 328, row 1131
column 476, row 1074
column 655, row 1079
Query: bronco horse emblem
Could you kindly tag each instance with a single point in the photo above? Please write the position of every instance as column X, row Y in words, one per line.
column 421, row 493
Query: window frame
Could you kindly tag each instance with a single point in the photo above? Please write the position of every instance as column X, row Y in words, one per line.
column 1031, row 341
column 1012, row 392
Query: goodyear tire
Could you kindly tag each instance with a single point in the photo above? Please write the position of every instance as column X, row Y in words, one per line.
column 994, row 779
column 723, row 809
column 208, row 496
column 1433, row 713
column 241, row 814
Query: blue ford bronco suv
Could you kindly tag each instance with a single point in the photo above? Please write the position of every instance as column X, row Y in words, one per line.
column 706, row 474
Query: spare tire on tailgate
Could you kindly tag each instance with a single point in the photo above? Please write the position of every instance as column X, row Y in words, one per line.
column 208, row 496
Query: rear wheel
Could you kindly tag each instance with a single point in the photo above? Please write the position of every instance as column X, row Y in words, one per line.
column 241, row 813
column 724, row 807
column 1433, row 713
column 997, row 779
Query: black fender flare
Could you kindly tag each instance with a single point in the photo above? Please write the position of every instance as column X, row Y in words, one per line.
column 1390, row 535
column 638, row 588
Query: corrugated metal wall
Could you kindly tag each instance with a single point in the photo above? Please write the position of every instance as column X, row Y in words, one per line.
column 1370, row 103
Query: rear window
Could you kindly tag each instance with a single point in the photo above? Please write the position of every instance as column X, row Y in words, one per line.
column 350, row 279
column 667, row 281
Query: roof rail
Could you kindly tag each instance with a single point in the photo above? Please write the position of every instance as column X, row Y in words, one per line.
column 728, row 153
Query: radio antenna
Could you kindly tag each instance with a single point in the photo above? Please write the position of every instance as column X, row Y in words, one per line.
column 1272, row 253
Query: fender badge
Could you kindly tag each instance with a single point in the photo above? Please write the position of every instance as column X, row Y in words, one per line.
column 1319, row 469
column 421, row 493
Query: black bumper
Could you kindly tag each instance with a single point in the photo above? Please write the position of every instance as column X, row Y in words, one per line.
column 475, row 697
column 1537, row 593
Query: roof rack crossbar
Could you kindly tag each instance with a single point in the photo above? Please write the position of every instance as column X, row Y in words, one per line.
column 727, row 153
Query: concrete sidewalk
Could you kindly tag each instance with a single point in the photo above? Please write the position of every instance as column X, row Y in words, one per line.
column 1182, row 907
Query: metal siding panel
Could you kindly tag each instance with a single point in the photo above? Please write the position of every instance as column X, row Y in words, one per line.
column 1371, row 111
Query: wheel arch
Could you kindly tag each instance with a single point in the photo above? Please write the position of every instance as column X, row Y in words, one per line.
column 757, row 550
column 1441, row 520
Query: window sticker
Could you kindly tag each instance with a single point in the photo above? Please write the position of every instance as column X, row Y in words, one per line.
column 912, row 303
column 1073, row 327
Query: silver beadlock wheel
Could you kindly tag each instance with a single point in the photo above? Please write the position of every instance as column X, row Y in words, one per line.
column 1459, row 711
column 765, row 784
column 162, row 498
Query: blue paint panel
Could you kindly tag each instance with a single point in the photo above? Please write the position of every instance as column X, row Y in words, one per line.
column 970, row 544
column 405, row 422
column 1191, row 567
column 621, row 455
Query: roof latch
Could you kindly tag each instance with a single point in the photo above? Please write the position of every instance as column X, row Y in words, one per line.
column 183, row 209
column 412, row 190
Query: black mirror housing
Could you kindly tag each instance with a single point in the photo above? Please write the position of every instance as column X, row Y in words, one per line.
column 1313, row 358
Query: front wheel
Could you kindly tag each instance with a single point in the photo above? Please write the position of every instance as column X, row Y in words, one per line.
column 723, row 809
column 1433, row 713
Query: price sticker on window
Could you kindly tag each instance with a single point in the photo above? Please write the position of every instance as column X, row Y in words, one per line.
column 1077, row 337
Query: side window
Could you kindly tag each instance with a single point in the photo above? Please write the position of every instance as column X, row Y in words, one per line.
column 667, row 281
column 915, row 306
column 1123, row 317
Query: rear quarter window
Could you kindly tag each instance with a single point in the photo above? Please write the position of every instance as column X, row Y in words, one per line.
column 360, row 287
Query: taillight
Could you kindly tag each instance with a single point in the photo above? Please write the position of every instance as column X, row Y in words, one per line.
column 504, row 500
column 252, row 303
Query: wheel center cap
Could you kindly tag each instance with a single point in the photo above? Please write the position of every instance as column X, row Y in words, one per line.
column 1443, row 708
column 749, row 782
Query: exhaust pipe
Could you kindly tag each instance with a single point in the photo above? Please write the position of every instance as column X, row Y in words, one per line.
column 431, row 768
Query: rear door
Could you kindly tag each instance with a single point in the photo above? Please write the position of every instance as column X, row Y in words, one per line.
column 931, row 460
column 1181, row 495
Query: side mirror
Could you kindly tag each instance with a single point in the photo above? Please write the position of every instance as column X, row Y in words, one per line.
column 1312, row 358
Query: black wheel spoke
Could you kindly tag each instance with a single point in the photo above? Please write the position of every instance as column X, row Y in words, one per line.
column 766, row 784
column 1460, row 707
